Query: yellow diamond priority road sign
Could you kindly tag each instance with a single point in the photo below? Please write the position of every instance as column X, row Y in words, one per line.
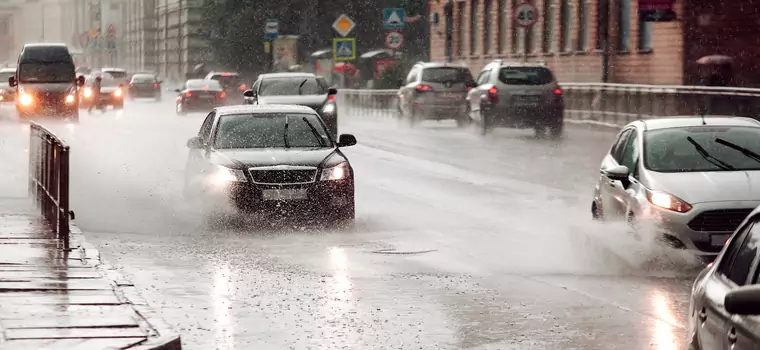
column 344, row 25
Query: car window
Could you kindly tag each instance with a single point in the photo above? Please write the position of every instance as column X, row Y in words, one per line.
column 255, row 86
column 292, row 86
column 228, row 80
column 724, row 266
column 483, row 77
column 203, row 85
column 208, row 123
column 630, row 152
column 669, row 150
column 525, row 76
column 742, row 261
column 117, row 74
column 143, row 79
column 446, row 75
column 617, row 149
column 276, row 130
column 412, row 76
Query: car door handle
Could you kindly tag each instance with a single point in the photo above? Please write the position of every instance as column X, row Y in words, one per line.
column 702, row 315
column 732, row 335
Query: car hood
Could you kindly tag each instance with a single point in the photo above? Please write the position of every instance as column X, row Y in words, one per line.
column 712, row 186
column 313, row 101
column 48, row 87
column 270, row 157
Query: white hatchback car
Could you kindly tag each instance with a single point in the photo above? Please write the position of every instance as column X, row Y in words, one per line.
column 695, row 179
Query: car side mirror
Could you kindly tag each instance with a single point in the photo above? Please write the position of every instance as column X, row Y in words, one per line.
column 195, row 143
column 80, row 80
column 619, row 173
column 248, row 93
column 346, row 140
column 744, row 300
column 12, row 81
column 332, row 91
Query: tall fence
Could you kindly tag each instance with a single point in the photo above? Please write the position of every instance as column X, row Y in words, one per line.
column 49, row 179
column 614, row 104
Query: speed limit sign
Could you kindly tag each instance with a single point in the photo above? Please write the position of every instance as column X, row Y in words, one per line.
column 526, row 14
column 394, row 40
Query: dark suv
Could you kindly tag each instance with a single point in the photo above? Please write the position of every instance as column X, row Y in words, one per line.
column 435, row 91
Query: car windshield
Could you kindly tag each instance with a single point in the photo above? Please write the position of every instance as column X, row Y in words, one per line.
column 446, row 75
column 203, row 85
column 228, row 80
column 276, row 130
column 49, row 72
column 143, row 79
column 525, row 76
column 670, row 150
column 290, row 86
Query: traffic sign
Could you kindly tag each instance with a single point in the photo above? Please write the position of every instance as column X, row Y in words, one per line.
column 394, row 40
column 344, row 49
column 271, row 29
column 525, row 15
column 344, row 25
column 393, row 18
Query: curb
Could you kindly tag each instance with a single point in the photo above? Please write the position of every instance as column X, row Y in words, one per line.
column 161, row 336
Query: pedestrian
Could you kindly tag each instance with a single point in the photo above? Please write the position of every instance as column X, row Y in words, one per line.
column 95, row 93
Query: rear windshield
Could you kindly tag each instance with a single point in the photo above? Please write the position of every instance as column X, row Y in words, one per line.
column 143, row 79
column 228, row 81
column 526, row 76
column 116, row 74
column 446, row 75
column 292, row 86
column 203, row 85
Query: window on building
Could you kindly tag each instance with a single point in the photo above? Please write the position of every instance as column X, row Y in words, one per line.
column 548, row 36
column 513, row 28
column 501, row 27
column 624, row 25
column 473, row 27
column 582, row 25
column 462, row 28
column 645, row 35
column 600, row 9
column 530, row 34
column 566, row 28
column 487, row 34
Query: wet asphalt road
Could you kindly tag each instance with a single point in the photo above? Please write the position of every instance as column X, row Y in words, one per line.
column 459, row 242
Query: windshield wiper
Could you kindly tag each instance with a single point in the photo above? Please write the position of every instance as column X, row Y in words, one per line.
column 285, row 132
column 301, row 85
column 315, row 132
column 749, row 154
column 714, row 161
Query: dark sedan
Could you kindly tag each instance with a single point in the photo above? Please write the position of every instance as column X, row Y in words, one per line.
column 303, row 89
column 144, row 85
column 200, row 95
column 271, row 159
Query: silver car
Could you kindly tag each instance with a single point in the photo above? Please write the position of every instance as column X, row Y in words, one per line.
column 693, row 179
column 435, row 91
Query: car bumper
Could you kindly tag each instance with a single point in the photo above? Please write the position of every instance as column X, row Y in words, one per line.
column 525, row 115
column 439, row 110
column 144, row 93
column 679, row 228
column 47, row 109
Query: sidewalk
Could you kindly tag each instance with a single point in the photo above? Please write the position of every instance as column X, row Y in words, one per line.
column 51, row 299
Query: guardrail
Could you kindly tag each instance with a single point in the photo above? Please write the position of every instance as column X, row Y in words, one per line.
column 49, row 179
column 613, row 104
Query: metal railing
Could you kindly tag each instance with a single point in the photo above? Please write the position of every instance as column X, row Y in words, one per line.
column 613, row 104
column 49, row 179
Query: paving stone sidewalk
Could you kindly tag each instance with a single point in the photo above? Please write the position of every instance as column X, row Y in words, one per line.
column 53, row 299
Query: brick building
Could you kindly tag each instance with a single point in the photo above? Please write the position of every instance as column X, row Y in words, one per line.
column 568, row 38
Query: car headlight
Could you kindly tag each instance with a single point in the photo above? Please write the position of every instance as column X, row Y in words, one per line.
column 224, row 176
column 69, row 99
column 668, row 201
column 87, row 92
column 337, row 172
column 25, row 99
column 118, row 92
column 329, row 108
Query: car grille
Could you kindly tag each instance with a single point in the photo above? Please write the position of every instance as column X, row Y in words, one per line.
column 284, row 176
column 724, row 220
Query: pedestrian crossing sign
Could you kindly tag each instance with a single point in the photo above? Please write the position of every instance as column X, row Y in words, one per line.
column 344, row 49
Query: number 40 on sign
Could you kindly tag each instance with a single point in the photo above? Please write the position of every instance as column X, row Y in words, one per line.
column 525, row 14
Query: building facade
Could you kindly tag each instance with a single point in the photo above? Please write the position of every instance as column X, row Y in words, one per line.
column 570, row 37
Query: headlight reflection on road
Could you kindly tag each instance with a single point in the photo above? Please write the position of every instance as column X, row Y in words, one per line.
column 663, row 337
column 340, row 294
column 222, row 295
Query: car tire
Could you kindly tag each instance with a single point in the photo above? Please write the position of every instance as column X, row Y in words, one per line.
column 596, row 214
column 485, row 123
column 556, row 131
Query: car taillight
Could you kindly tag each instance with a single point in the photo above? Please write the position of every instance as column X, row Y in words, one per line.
column 131, row 84
column 188, row 94
column 424, row 88
column 558, row 91
column 155, row 85
column 331, row 97
column 242, row 87
column 222, row 94
column 493, row 94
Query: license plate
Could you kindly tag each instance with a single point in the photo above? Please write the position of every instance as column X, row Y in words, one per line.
column 528, row 100
column 718, row 240
column 284, row 194
column 449, row 95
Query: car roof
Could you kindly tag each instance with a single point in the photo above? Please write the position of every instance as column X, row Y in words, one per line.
column 229, row 73
column 113, row 69
column 46, row 45
column 689, row 121
column 287, row 75
column 441, row 65
column 255, row 109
